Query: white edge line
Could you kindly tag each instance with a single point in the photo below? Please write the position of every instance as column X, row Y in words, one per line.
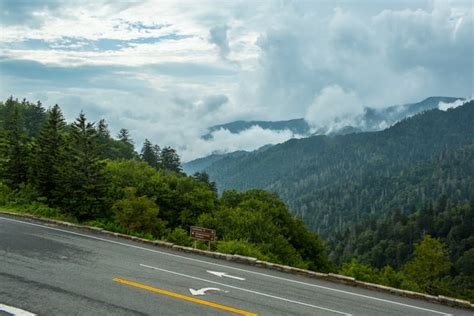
column 246, row 290
column 15, row 310
column 229, row 267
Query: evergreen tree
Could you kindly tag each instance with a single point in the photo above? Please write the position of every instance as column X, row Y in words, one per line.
column 126, row 150
column 35, row 116
column 204, row 178
column 157, row 151
column 83, row 179
column 170, row 160
column 15, row 141
column 104, row 140
column 124, row 136
column 50, row 155
column 149, row 154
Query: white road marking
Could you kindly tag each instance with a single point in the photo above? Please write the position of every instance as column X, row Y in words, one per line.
column 223, row 274
column 246, row 290
column 228, row 267
column 204, row 290
column 15, row 311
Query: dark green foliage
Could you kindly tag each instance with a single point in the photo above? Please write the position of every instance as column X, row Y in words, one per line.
column 179, row 236
column 336, row 182
column 123, row 147
column 138, row 214
column 83, row 182
column 111, row 148
column 263, row 220
column 241, row 247
column 79, row 171
column 204, row 178
column 14, row 146
column 170, row 160
column 403, row 241
column 151, row 154
column 430, row 262
column 50, row 155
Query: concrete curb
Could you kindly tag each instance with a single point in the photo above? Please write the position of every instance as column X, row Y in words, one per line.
column 449, row 301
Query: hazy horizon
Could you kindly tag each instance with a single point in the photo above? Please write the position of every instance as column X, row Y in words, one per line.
column 169, row 70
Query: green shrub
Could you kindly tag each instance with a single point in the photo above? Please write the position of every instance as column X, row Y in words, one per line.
column 179, row 236
column 5, row 194
column 26, row 194
column 138, row 215
column 360, row 271
column 39, row 209
column 240, row 247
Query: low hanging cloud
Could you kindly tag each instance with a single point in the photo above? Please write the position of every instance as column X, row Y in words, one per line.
column 334, row 108
column 446, row 106
column 169, row 70
column 224, row 141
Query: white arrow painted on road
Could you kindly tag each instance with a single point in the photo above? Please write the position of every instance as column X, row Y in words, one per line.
column 204, row 290
column 223, row 274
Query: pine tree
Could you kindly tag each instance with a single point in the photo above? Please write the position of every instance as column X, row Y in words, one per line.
column 157, row 151
column 35, row 116
column 15, row 145
column 83, row 179
column 50, row 154
column 124, row 136
column 149, row 154
column 104, row 140
column 127, row 150
column 170, row 160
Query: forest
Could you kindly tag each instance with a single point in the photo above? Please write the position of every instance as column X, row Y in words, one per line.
column 79, row 172
column 430, row 249
column 336, row 182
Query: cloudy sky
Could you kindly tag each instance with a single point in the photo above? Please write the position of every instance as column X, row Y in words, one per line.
column 167, row 70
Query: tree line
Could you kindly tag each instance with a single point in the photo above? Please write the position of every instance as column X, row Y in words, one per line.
column 430, row 249
column 79, row 172
column 336, row 182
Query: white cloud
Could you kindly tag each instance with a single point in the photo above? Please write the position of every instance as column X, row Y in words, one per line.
column 223, row 141
column 445, row 106
column 214, row 63
column 334, row 109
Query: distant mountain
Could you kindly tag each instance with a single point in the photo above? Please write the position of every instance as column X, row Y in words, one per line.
column 297, row 126
column 372, row 119
column 334, row 182
column 201, row 164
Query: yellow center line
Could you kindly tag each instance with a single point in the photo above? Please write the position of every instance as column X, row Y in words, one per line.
column 184, row 297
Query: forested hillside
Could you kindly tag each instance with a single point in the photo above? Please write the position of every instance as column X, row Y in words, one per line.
column 336, row 182
column 432, row 248
column 371, row 119
column 79, row 172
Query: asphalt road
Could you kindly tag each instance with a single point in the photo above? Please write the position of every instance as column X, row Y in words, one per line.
column 52, row 270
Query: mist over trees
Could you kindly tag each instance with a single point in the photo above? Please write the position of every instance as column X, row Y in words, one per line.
column 79, row 172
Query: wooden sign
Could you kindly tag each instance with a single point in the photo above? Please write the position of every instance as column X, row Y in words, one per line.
column 202, row 233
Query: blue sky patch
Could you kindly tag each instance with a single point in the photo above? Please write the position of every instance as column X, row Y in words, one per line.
column 82, row 44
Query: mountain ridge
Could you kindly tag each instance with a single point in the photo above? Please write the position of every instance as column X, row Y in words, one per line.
column 335, row 168
column 372, row 120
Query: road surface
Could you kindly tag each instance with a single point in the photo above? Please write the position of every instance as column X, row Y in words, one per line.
column 52, row 270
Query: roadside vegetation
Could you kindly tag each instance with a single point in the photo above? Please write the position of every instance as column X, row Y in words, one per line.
column 78, row 172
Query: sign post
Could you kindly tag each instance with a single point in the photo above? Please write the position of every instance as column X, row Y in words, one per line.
column 204, row 234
